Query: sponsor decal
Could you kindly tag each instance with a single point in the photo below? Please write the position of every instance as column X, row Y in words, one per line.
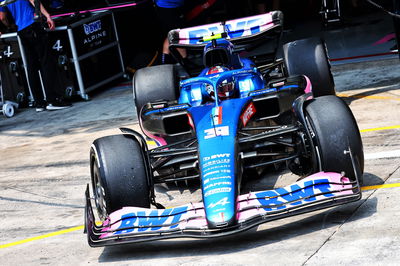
column 218, row 161
column 169, row 217
column 96, row 38
column 217, row 190
column 216, row 178
column 275, row 199
column 216, row 131
column 248, row 113
column 234, row 28
column 94, row 32
column 190, row 121
column 225, row 171
column 217, row 116
column 263, row 91
column 214, row 167
column 216, row 156
column 226, row 183
column 168, row 109
column 92, row 27
column 174, row 108
column 278, row 84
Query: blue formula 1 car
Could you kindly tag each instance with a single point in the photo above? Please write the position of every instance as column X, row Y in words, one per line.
column 230, row 114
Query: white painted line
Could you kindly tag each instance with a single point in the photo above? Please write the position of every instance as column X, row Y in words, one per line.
column 382, row 155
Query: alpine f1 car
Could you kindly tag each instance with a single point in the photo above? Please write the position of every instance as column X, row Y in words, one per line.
column 223, row 121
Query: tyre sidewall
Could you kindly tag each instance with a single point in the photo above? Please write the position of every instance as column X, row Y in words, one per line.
column 123, row 173
column 335, row 130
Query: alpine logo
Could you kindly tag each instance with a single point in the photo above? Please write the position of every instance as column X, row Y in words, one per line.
column 221, row 202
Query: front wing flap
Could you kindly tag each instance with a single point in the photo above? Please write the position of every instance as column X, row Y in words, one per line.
column 132, row 224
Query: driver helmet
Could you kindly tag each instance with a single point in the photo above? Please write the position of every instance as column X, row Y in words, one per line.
column 226, row 88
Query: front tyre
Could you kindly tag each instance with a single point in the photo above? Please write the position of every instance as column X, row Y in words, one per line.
column 118, row 174
column 333, row 129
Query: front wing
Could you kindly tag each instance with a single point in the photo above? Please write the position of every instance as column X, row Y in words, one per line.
column 132, row 224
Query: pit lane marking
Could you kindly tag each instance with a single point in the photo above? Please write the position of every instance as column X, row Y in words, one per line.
column 61, row 232
column 367, row 97
column 380, row 186
column 380, row 128
column 383, row 155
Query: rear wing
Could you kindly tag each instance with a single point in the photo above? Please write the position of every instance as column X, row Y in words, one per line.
column 238, row 31
column 245, row 33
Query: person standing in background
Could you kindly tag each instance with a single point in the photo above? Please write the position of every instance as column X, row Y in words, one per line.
column 38, row 53
column 170, row 15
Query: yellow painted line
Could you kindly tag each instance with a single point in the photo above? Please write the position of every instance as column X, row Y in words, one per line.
column 61, row 232
column 368, row 97
column 380, row 128
column 381, row 186
column 42, row 236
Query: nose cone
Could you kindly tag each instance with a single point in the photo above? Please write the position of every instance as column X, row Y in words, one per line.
column 221, row 220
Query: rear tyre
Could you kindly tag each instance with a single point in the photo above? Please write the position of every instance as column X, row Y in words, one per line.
column 310, row 57
column 333, row 129
column 155, row 83
column 118, row 174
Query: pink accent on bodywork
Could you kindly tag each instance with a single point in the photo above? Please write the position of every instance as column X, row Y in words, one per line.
column 193, row 218
column 97, row 9
column 159, row 141
column 308, row 88
column 385, row 39
column 250, row 200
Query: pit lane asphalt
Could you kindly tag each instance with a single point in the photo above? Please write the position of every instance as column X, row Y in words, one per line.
column 44, row 170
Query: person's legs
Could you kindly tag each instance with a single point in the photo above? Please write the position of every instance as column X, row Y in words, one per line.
column 170, row 18
column 48, row 70
column 48, row 67
column 32, row 61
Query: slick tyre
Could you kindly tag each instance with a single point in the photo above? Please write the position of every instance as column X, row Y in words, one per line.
column 154, row 83
column 333, row 130
column 118, row 174
column 309, row 57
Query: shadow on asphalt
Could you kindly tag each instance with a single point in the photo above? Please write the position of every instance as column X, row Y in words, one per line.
column 372, row 180
column 382, row 86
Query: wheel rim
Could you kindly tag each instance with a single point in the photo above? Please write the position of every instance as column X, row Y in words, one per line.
column 99, row 194
column 8, row 110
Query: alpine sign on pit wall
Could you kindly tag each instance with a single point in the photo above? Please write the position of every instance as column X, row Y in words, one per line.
column 94, row 34
column 237, row 28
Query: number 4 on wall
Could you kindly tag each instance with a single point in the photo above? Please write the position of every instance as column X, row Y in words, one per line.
column 8, row 52
column 57, row 46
